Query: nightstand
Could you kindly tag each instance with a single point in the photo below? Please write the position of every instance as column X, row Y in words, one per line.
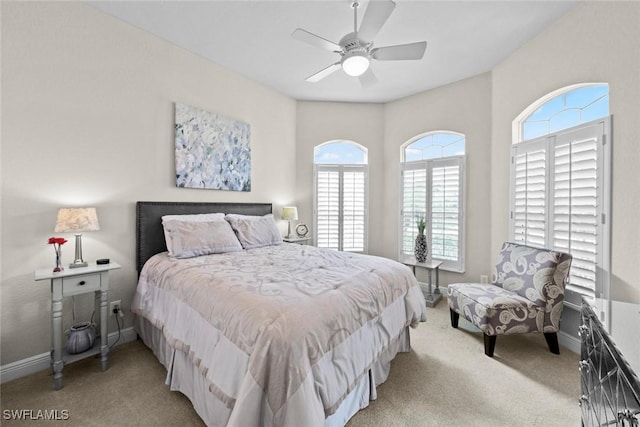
column 299, row 240
column 70, row 282
column 431, row 298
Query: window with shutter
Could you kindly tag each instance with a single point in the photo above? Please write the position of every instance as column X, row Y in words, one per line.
column 340, row 196
column 432, row 188
column 353, row 208
column 327, row 229
column 559, row 188
column 529, row 193
column 414, row 202
column 445, row 210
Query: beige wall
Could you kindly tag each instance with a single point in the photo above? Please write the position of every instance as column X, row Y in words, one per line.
column 87, row 108
column 463, row 107
column 596, row 42
column 319, row 122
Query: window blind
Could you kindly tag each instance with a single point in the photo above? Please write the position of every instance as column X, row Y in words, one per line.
column 433, row 189
column 558, row 199
column 445, row 212
column 529, row 193
column 576, row 202
column 327, row 229
column 353, row 209
column 341, row 207
column 414, row 203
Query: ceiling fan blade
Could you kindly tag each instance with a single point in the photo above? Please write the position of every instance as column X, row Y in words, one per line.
column 314, row 40
column 368, row 79
column 323, row 73
column 374, row 18
column 399, row 52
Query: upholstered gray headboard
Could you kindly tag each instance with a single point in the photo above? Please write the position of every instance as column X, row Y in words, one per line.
column 149, row 232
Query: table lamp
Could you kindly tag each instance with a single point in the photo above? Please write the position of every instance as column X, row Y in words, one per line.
column 77, row 220
column 289, row 213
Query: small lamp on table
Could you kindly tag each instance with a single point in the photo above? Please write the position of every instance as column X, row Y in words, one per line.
column 77, row 220
column 289, row 213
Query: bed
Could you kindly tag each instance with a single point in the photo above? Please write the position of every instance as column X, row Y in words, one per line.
column 274, row 335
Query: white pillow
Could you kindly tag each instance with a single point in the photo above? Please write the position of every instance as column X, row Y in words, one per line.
column 191, row 239
column 255, row 231
column 188, row 218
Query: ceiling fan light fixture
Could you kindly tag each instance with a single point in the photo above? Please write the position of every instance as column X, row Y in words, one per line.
column 355, row 63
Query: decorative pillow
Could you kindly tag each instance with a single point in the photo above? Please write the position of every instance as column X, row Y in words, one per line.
column 191, row 239
column 255, row 231
column 187, row 218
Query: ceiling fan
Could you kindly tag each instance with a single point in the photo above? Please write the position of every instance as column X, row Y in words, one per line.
column 356, row 49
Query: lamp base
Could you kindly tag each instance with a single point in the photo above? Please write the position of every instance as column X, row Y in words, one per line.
column 78, row 264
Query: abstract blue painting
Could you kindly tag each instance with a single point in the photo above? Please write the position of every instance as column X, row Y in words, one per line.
column 212, row 151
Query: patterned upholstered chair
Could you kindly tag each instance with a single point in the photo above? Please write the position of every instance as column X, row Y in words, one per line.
column 526, row 295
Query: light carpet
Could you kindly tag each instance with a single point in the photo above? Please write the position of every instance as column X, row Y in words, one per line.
column 446, row 380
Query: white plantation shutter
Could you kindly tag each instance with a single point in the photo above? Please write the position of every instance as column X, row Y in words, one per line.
column 445, row 210
column 577, row 201
column 327, row 228
column 353, row 208
column 414, row 202
column 341, row 207
column 528, row 214
column 571, row 169
column 433, row 189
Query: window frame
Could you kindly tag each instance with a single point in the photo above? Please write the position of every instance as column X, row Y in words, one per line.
column 457, row 266
column 603, row 179
column 341, row 168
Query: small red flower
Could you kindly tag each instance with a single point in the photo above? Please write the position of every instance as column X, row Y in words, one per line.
column 57, row 240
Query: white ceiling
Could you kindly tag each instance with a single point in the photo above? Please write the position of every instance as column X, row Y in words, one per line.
column 253, row 38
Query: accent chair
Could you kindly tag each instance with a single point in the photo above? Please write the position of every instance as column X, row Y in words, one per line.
column 526, row 295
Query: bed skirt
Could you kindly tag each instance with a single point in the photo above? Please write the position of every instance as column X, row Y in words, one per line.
column 184, row 377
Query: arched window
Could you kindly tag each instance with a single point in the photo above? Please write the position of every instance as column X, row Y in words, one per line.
column 432, row 188
column 340, row 196
column 560, row 180
column 563, row 109
column 434, row 145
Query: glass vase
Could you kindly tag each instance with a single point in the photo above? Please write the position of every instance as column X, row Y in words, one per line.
column 58, row 266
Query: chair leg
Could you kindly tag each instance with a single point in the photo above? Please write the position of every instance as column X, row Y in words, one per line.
column 489, row 344
column 454, row 318
column 552, row 342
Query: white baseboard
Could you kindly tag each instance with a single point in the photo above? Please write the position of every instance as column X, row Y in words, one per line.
column 570, row 342
column 30, row 365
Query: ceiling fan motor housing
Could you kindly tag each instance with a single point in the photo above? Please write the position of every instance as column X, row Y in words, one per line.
column 352, row 42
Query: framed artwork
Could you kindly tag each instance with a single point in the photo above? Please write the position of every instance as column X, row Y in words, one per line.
column 212, row 151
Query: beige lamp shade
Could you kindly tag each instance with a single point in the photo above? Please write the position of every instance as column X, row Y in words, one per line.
column 289, row 213
column 77, row 220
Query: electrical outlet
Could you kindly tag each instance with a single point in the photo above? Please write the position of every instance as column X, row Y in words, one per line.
column 484, row 279
column 115, row 307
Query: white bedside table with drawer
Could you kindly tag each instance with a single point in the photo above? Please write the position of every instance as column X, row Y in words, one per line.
column 298, row 240
column 70, row 282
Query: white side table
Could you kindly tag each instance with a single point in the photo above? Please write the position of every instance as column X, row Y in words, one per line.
column 299, row 240
column 77, row 281
column 432, row 298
